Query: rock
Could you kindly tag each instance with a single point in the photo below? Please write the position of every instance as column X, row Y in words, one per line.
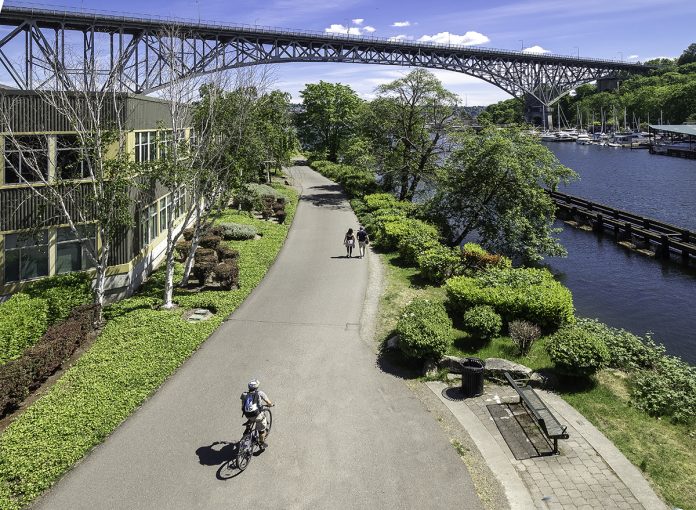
column 429, row 368
column 495, row 367
column 451, row 364
column 392, row 343
column 543, row 379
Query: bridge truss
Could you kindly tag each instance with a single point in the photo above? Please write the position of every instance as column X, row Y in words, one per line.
column 42, row 47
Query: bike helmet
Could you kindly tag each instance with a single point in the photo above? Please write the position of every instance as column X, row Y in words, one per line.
column 253, row 385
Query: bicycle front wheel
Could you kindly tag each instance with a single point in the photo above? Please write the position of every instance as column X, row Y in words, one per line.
column 244, row 453
column 269, row 420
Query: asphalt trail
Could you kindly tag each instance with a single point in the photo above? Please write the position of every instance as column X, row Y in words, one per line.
column 345, row 434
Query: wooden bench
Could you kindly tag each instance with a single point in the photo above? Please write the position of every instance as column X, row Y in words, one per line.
column 546, row 421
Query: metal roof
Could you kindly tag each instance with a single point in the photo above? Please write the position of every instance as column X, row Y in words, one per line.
column 684, row 129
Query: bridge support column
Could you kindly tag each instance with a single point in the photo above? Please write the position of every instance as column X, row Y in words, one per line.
column 537, row 113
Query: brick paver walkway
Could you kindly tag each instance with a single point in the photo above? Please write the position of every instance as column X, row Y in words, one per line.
column 577, row 478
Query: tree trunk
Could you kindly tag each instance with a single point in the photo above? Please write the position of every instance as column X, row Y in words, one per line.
column 99, row 292
column 169, row 276
column 190, row 258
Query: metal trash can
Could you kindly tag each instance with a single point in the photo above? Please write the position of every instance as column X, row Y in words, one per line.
column 472, row 377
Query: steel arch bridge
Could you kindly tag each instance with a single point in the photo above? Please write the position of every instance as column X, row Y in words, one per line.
column 44, row 46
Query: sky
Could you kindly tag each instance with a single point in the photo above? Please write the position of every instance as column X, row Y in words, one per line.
column 631, row 30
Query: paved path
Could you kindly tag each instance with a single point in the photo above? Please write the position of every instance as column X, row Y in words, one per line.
column 345, row 434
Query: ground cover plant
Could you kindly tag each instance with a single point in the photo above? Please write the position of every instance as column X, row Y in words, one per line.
column 140, row 346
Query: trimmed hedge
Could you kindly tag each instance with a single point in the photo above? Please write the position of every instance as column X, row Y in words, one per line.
column 26, row 315
column 419, row 238
column 237, row 232
column 516, row 294
column 22, row 322
column 439, row 263
column 576, row 352
column 19, row 377
column 139, row 348
column 62, row 293
column 482, row 322
column 476, row 258
column 424, row 330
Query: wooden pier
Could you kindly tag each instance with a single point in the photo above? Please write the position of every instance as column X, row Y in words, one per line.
column 661, row 238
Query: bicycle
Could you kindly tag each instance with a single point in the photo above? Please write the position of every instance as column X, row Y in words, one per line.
column 250, row 440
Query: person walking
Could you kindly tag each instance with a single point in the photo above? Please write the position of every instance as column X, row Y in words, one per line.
column 363, row 240
column 349, row 242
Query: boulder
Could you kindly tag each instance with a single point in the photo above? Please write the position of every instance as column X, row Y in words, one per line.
column 543, row 379
column 451, row 364
column 495, row 367
column 429, row 368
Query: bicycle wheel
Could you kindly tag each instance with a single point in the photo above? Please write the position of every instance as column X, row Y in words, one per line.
column 269, row 420
column 244, row 453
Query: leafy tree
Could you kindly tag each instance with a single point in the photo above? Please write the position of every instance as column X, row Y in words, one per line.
column 411, row 118
column 688, row 56
column 510, row 111
column 493, row 184
column 331, row 113
column 275, row 127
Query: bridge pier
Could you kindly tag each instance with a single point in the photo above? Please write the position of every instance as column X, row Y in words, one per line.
column 537, row 113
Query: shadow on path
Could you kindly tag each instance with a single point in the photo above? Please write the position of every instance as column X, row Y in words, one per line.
column 329, row 196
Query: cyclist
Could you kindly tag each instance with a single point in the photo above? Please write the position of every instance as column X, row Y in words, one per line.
column 252, row 401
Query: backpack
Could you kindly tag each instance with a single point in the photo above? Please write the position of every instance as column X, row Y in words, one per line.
column 362, row 236
column 250, row 404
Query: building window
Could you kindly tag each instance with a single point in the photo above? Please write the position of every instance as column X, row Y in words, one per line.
column 71, row 254
column 26, row 256
column 145, row 146
column 153, row 222
column 26, row 159
column 163, row 214
column 71, row 162
column 144, row 227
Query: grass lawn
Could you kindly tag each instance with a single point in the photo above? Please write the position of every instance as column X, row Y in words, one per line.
column 139, row 348
column 665, row 452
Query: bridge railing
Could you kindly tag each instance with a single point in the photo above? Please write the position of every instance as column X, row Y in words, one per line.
column 35, row 8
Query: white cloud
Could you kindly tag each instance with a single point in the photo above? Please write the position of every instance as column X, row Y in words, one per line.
column 632, row 57
column 340, row 29
column 401, row 24
column 535, row 49
column 358, row 21
column 400, row 37
column 369, row 29
column 467, row 39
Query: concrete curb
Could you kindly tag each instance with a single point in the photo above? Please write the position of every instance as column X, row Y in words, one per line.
column 516, row 491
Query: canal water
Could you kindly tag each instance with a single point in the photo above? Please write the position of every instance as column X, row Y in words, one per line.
column 622, row 288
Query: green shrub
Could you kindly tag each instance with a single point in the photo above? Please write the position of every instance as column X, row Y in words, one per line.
column 667, row 390
column 439, row 263
column 237, row 232
column 420, row 237
column 62, row 293
column 577, row 352
column 627, row 350
column 523, row 335
column 23, row 320
column 391, row 232
column 475, row 257
column 482, row 322
column 380, row 201
column 516, row 294
column 424, row 330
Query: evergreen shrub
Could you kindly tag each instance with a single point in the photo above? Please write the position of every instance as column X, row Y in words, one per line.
column 62, row 293
column 482, row 322
column 439, row 263
column 23, row 320
column 576, row 352
column 476, row 258
column 237, row 231
column 516, row 294
column 424, row 330
column 419, row 238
